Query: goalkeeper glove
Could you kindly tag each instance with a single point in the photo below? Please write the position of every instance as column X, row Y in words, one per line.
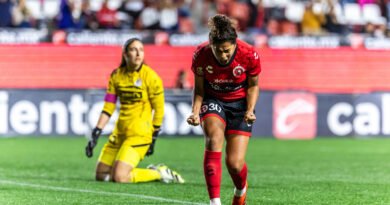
column 154, row 138
column 96, row 132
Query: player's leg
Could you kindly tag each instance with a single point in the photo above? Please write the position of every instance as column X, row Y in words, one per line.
column 236, row 147
column 238, row 135
column 213, row 124
column 106, row 159
column 103, row 172
column 125, row 167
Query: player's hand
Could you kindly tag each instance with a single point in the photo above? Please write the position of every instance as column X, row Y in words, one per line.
column 96, row 132
column 154, row 138
column 250, row 117
column 193, row 119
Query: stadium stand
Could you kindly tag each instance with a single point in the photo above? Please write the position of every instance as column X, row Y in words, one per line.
column 190, row 16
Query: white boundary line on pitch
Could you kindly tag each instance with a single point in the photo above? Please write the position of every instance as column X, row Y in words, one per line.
column 140, row 196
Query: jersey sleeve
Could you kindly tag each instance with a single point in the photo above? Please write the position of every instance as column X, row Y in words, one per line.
column 255, row 67
column 111, row 96
column 156, row 98
column 196, row 58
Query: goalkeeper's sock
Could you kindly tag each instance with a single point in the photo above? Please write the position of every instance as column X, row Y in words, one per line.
column 212, row 172
column 239, row 179
column 144, row 175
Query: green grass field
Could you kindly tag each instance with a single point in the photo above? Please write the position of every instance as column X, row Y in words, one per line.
column 323, row 171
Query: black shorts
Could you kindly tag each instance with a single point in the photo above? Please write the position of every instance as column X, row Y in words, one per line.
column 230, row 113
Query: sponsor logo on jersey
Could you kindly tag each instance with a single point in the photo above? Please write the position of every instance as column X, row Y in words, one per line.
column 199, row 70
column 256, row 55
column 130, row 96
column 225, row 88
column 295, row 115
column 209, row 69
column 238, row 71
column 223, row 81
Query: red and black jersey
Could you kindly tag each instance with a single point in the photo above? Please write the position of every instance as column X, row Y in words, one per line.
column 226, row 82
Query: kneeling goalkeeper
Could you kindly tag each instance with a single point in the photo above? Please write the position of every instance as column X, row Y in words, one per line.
column 140, row 92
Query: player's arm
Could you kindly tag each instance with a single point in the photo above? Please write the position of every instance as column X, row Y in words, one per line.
column 108, row 109
column 197, row 100
column 156, row 98
column 253, row 87
column 252, row 96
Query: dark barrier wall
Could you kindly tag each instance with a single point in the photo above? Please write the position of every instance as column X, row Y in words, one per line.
column 284, row 115
column 341, row 70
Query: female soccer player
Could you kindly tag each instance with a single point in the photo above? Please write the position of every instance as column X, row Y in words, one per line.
column 225, row 94
column 140, row 92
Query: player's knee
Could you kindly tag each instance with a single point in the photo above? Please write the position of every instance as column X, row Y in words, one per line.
column 215, row 142
column 234, row 165
column 121, row 178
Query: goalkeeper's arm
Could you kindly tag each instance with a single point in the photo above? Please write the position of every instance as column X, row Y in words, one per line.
column 96, row 132
column 154, row 138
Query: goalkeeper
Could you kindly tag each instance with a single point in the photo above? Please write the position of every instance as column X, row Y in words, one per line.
column 140, row 92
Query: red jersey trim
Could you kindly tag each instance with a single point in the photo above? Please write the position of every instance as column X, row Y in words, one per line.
column 213, row 115
column 238, row 132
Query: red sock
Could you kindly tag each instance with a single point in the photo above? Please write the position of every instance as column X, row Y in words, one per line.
column 213, row 172
column 239, row 179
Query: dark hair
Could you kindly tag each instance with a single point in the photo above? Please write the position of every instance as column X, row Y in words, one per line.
column 125, row 48
column 221, row 30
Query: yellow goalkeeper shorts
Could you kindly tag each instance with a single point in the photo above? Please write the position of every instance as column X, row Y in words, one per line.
column 127, row 152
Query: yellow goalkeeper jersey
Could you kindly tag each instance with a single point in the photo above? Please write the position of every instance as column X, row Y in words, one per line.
column 141, row 97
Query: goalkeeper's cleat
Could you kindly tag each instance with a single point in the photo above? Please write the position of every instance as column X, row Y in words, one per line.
column 240, row 196
column 167, row 175
column 151, row 166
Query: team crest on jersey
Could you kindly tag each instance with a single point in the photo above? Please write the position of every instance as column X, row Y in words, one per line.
column 204, row 108
column 199, row 70
column 238, row 71
column 138, row 83
column 209, row 69
column 256, row 55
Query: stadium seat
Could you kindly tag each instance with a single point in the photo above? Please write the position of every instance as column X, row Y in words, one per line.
column 275, row 3
column 338, row 9
column 51, row 8
column 35, row 8
column 353, row 14
column 112, row 4
column 371, row 13
column 294, row 11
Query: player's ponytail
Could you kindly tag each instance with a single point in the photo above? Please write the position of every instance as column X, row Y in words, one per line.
column 221, row 30
column 125, row 48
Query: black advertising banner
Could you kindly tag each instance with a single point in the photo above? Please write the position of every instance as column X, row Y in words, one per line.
column 106, row 37
column 23, row 36
column 333, row 114
column 75, row 112
column 354, row 115
column 283, row 115
column 263, row 125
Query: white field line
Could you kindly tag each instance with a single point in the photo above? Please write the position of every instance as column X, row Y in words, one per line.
column 65, row 189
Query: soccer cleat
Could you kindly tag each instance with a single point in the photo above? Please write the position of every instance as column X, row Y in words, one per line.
column 151, row 166
column 239, row 197
column 167, row 175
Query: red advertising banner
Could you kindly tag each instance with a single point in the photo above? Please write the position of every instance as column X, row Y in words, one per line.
column 294, row 115
column 316, row 70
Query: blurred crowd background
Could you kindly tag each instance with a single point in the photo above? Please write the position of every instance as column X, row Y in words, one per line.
column 266, row 17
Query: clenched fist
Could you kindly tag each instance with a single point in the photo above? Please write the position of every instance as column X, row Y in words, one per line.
column 250, row 117
column 193, row 120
